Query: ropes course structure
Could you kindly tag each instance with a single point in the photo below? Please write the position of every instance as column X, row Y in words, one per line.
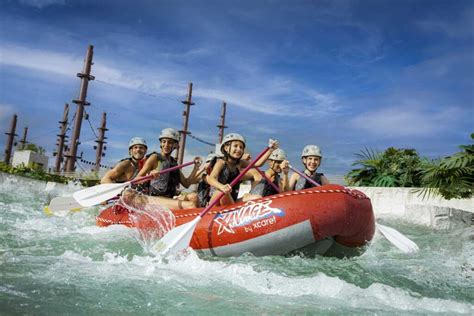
column 200, row 140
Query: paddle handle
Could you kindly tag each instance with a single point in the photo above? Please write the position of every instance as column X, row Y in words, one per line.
column 149, row 177
column 304, row 175
column 234, row 182
column 268, row 179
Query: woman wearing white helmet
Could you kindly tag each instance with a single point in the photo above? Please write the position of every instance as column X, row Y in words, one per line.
column 311, row 157
column 278, row 164
column 165, row 186
column 128, row 168
column 229, row 166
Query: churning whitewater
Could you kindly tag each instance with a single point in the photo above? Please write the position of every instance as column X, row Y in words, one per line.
column 66, row 264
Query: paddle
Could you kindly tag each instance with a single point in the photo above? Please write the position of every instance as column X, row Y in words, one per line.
column 66, row 203
column 102, row 192
column 394, row 236
column 268, row 179
column 179, row 237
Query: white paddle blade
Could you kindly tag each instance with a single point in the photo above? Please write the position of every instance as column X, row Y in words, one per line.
column 398, row 239
column 177, row 239
column 98, row 194
column 63, row 203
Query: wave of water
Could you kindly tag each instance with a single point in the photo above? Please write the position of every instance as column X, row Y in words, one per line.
column 57, row 265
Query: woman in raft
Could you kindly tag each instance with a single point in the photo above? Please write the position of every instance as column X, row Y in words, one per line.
column 230, row 165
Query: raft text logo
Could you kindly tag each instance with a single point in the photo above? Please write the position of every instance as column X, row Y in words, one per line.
column 248, row 214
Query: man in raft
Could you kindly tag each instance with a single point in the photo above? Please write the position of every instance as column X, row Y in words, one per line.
column 311, row 158
column 128, row 168
column 164, row 187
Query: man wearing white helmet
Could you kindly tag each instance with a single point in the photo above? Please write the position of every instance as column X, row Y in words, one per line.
column 164, row 187
column 230, row 165
column 311, row 157
column 278, row 164
column 128, row 168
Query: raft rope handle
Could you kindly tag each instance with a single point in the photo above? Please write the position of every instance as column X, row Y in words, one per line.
column 276, row 196
column 281, row 195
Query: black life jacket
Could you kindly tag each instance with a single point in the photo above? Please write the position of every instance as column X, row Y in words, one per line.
column 204, row 193
column 264, row 188
column 302, row 183
column 226, row 176
column 165, row 184
column 204, row 189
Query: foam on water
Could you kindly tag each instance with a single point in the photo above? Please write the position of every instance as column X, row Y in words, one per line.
column 67, row 264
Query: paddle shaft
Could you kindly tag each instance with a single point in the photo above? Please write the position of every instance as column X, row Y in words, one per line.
column 149, row 177
column 304, row 175
column 268, row 179
column 234, row 182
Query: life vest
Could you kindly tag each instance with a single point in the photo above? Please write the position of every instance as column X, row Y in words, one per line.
column 226, row 176
column 264, row 188
column 165, row 184
column 204, row 193
column 204, row 189
column 302, row 183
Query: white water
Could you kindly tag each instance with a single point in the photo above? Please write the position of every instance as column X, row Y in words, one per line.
column 68, row 265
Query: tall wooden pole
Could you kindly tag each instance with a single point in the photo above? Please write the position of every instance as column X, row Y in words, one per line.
column 100, row 142
column 184, row 131
column 85, row 76
column 222, row 126
column 61, row 139
column 23, row 139
column 11, row 135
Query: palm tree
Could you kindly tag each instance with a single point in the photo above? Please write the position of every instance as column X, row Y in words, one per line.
column 451, row 177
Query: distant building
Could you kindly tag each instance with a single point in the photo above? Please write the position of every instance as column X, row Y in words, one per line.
column 30, row 159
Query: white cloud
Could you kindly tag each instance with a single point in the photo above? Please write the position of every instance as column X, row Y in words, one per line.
column 406, row 121
column 256, row 93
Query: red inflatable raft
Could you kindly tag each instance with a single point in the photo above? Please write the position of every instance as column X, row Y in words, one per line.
column 327, row 220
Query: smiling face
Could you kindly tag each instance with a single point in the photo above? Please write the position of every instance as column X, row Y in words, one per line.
column 235, row 149
column 167, row 145
column 137, row 152
column 312, row 162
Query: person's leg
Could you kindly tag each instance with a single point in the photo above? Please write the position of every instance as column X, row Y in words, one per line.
column 225, row 200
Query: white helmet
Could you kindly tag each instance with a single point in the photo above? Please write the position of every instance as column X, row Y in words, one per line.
column 210, row 157
column 231, row 137
column 278, row 154
column 311, row 150
column 137, row 141
column 169, row 133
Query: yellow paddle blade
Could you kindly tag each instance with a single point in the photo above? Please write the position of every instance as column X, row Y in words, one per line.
column 47, row 211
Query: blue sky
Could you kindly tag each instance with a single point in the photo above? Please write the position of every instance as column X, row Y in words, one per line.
column 343, row 75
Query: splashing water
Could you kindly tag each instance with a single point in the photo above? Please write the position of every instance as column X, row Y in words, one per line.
column 57, row 265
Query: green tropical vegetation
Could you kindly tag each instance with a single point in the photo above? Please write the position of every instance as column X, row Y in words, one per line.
column 450, row 177
column 37, row 173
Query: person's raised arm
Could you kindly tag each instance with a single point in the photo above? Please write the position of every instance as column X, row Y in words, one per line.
column 273, row 144
column 285, row 182
column 149, row 165
column 191, row 179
